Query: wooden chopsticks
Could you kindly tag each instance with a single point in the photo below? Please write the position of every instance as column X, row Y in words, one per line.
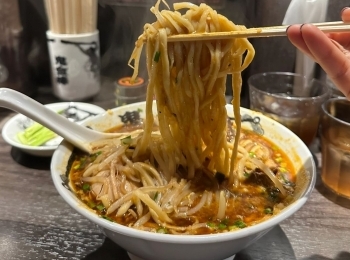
column 273, row 31
column 72, row 16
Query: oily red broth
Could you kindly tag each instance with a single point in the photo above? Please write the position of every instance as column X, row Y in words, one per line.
column 254, row 200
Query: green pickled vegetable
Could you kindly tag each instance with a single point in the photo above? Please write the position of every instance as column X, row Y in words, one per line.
column 35, row 135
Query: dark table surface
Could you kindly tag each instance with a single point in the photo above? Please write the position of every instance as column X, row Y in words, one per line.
column 35, row 222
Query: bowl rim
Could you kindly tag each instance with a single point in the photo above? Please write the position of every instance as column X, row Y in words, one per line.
column 77, row 205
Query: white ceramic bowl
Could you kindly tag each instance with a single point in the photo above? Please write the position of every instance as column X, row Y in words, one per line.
column 15, row 125
column 153, row 246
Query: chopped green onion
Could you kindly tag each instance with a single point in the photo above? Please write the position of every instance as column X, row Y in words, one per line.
column 107, row 218
column 155, row 196
column 91, row 204
column 225, row 221
column 278, row 159
column 222, row 226
column 157, row 56
column 127, row 140
column 268, row 211
column 77, row 166
column 82, row 163
column 240, row 224
column 139, row 110
column 100, row 207
column 162, row 230
column 282, row 169
column 246, row 174
column 85, row 160
column 86, row 187
column 252, row 154
column 211, row 224
column 232, row 228
column 95, row 155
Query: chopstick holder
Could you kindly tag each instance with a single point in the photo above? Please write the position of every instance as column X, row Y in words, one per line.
column 75, row 65
column 74, row 48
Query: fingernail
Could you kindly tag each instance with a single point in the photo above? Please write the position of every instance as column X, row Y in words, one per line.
column 288, row 28
column 301, row 26
column 342, row 10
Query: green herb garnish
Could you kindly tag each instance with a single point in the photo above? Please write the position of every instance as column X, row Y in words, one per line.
column 107, row 218
column 95, row 155
column 157, row 56
column 268, row 211
column 278, row 159
column 162, row 230
column 282, row 169
column 82, row 163
column 239, row 224
column 86, row 187
column 211, row 224
column 246, row 174
column 252, row 154
column 155, row 196
column 91, row 204
column 100, row 207
column 127, row 140
column 222, row 226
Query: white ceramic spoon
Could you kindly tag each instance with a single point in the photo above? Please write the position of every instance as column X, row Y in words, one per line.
column 80, row 136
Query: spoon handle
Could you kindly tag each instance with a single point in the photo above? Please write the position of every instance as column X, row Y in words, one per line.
column 76, row 134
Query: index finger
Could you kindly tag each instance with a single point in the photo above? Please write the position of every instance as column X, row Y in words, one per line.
column 345, row 14
column 329, row 56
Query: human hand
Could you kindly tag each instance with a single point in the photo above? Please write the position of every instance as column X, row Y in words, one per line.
column 330, row 51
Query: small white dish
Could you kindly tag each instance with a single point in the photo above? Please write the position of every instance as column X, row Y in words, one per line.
column 16, row 124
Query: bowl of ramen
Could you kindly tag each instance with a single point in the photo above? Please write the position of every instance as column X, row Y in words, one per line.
column 188, row 177
column 185, row 215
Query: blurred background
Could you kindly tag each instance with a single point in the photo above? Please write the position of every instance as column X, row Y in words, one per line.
column 24, row 59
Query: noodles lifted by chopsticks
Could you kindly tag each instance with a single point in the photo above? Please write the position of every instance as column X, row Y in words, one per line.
column 188, row 80
column 175, row 179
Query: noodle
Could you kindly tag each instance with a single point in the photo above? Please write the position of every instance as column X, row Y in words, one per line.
column 192, row 73
column 186, row 178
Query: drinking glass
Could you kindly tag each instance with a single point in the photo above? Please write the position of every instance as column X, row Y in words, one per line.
column 290, row 99
column 335, row 142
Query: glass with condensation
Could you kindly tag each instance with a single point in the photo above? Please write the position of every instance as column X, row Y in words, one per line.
column 335, row 142
column 290, row 99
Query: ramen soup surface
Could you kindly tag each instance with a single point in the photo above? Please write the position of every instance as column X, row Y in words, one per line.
column 255, row 199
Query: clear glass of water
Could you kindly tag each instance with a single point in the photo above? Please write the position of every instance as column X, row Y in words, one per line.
column 290, row 99
column 335, row 141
